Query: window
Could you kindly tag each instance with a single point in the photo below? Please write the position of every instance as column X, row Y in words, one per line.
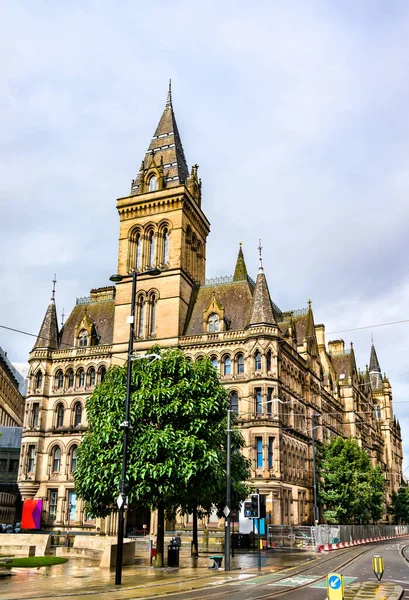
column 153, row 184
column 151, row 249
column 70, row 378
column 141, row 308
column 81, row 378
column 240, row 364
column 269, row 360
column 77, row 414
column 60, row 415
column 36, row 413
column 102, row 373
column 74, row 459
column 152, row 327
column 92, row 377
column 259, row 402
column 39, row 380
column 215, row 364
column 13, row 465
column 234, row 403
column 213, row 324
column 138, row 242
column 72, row 505
column 270, row 392
column 165, row 246
column 3, row 465
column 259, row 452
column 270, row 452
column 257, row 361
column 52, row 512
column 60, row 380
column 57, row 460
column 31, row 455
column 83, row 338
column 227, row 365
column 377, row 412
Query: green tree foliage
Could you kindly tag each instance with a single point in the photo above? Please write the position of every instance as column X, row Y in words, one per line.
column 350, row 489
column 177, row 444
column 400, row 505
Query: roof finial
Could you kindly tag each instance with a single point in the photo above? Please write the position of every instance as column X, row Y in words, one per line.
column 54, row 282
column 260, row 248
column 371, row 339
column 169, row 100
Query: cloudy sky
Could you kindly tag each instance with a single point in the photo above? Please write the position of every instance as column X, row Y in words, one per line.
column 296, row 112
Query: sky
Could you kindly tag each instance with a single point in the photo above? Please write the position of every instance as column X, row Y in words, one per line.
column 296, row 112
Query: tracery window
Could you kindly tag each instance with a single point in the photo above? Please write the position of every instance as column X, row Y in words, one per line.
column 83, row 338
column 213, row 323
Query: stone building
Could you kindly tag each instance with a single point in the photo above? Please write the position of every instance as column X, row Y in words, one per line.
column 284, row 381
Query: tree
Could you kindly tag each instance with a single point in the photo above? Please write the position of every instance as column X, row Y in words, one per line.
column 400, row 505
column 349, row 488
column 177, row 444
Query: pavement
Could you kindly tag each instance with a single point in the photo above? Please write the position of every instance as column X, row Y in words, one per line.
column 79, row 579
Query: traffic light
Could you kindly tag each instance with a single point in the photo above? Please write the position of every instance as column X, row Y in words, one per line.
column 255, row 506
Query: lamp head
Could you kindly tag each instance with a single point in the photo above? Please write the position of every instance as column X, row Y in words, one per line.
column 152, row 272
column 116, row 278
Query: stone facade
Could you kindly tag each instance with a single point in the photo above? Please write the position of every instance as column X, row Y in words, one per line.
column 284, row 381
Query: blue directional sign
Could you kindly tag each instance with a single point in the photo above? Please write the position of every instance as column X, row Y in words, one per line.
column 335, row 586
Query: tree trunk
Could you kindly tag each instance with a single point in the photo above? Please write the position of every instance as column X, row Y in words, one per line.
column 195, row 544
column 160, row 536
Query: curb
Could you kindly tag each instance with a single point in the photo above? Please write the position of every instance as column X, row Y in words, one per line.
column 339, row 545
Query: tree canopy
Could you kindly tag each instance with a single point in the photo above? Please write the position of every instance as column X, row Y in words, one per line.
column 177, row 446
column 400, row 505
column 350, row 490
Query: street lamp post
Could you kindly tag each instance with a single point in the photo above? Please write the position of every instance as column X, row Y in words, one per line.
column 314, row 474
column 228, row 491
column 125, row 425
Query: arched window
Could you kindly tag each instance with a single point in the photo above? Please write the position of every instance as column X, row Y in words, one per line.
column 215, row 363
column 165, row 246
column 227, row 365
column 74, row 459
column 81, row 378
column 153, row 184
column 57, row 459
column 257, row 361
column 60, row 380
column 70, row 378
column 39, row 380
column 152, row 325
column 377, row 412
column 31, row 456
column 83, row 339
column 213, row 323
column 92, row 376
column 77, row 414
column 234, row 403
column 141, row 309
column 151, row 249
column 102, row 373
column 60, row 415
column 269, row 360
column 240, row 364
column 138, row 243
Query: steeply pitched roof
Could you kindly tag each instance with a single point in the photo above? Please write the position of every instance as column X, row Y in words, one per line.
column 236, row 299
column 48, row 334
column 240, row 272
column 262, row 310
column 100, row 313
column 166, row 146
column 375, row 372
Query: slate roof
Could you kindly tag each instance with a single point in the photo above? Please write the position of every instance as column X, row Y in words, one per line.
column 102, row 315
column 236, row 298
column 262, row 309
column 20, row 381
column 10, row 437
column 48, row 334
column 166, row 145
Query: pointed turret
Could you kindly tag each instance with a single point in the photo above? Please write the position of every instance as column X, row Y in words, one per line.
column 165, row 157
column 375, row 369
column 48, row 334
column 262, row 310
column 240, row 272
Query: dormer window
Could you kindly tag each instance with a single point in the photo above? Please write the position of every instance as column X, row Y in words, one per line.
column 153, row 184
column 213, row 324
column 83, row 339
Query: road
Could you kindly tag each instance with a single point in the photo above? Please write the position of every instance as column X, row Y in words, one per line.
column 355, row 564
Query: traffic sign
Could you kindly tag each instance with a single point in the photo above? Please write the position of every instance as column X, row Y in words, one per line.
column 120, row 501
column 377, row 565
column 335, row 586
column 226, row 511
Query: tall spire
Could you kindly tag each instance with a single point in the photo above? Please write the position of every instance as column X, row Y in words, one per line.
column 165, row 152
column 240, row 272
column 48, row 334
column 375, row 369
column 262, row 311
